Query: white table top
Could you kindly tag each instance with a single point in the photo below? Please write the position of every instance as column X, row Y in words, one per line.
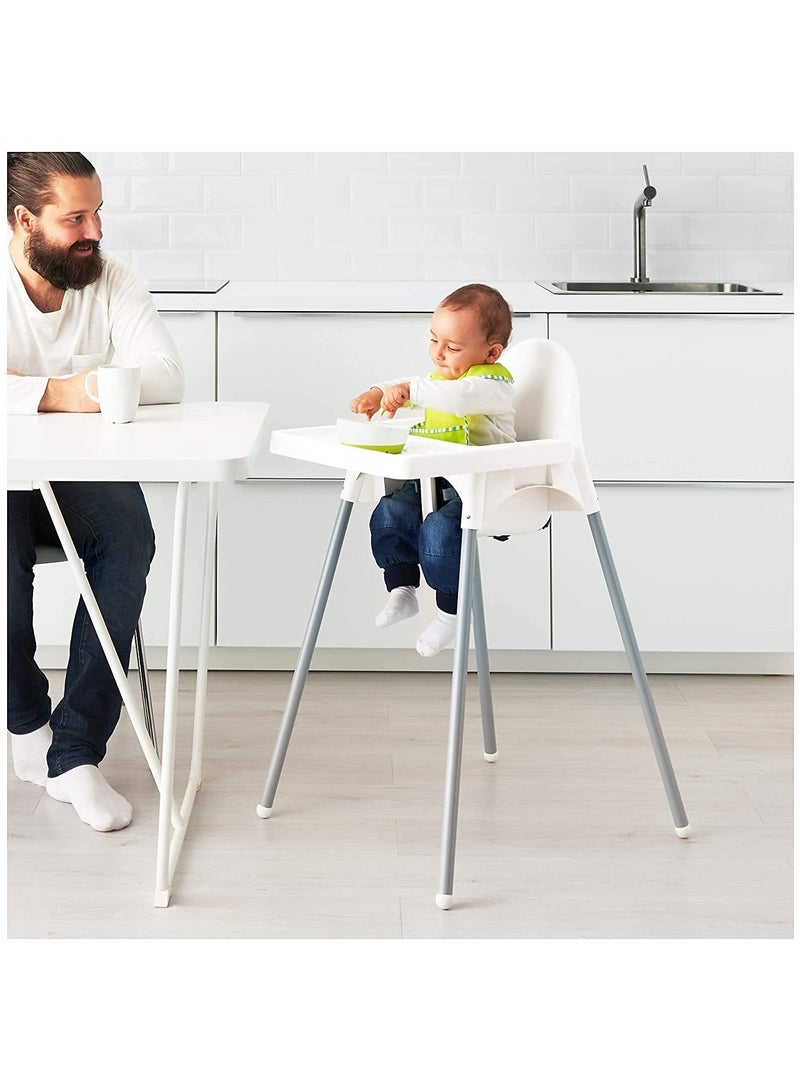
column 419, row 458
column 192, row 441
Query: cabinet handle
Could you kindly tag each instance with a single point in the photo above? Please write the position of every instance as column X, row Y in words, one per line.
column 694, row 484
column 185, row 312
column 667, row 314
column 327, row 314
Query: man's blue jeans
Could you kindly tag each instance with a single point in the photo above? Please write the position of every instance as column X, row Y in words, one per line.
column 110, row 526
column 402, row 543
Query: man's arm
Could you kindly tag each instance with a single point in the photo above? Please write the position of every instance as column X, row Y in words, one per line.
column 67, row 396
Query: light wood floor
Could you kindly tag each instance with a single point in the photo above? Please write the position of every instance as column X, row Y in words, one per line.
column 568, row 834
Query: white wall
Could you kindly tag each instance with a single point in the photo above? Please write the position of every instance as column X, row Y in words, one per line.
column 446, row 216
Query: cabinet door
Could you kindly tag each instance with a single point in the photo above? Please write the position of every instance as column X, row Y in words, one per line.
column 272, row 544
column 683, row 397
column 703, row 569
column 195, row 337
column 309, row 366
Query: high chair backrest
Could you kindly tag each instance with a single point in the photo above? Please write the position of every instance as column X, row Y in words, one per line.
column 546, row 407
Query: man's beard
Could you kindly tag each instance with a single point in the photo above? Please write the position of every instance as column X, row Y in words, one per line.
column 62, row 268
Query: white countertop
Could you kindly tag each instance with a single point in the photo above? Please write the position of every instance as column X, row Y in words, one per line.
column 422, row 298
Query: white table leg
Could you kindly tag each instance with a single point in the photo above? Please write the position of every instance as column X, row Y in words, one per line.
column 164, row 871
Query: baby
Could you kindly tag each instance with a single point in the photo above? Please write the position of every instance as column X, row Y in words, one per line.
column 467, row 399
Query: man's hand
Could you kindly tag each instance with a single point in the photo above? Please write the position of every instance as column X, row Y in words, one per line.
column 395, row 398
column 368, row 402
column 68, row 396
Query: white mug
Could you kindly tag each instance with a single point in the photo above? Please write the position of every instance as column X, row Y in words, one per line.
column 117, row 392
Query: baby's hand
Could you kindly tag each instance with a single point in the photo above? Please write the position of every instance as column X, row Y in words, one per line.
column 395, row 398
column 368, row 402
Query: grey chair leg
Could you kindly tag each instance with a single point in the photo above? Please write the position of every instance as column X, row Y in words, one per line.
column 264, row 808
column 680, row 820
column 482, row 663
column 144, row 685
column 444, row 898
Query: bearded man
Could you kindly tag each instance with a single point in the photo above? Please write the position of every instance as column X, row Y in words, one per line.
column 71, row 309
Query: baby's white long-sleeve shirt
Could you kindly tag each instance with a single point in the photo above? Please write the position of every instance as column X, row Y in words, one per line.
column 113, row 319
column 483, row 397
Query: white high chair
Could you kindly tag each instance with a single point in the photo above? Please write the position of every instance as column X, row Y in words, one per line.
column 505, row 489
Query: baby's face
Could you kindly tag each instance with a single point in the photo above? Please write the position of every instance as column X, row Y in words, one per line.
column 458, row 342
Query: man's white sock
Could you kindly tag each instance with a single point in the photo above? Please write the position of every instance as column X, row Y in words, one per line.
column 438, row 635
column 93, row 798
column 29, row 754
column 402, row 604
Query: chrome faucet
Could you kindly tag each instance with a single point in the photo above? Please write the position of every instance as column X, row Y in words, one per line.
column 643, row 201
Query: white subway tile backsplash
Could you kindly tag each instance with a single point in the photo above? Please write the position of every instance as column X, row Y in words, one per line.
column 760, row 267
column 135, row 230
column 497, row 231
column 602, row 194
column 341, row 164
column 202, row 163
column 205, row 230
column 387, row 265
column 458, row 194
column 769, row 193
column 570, row 162
column 531, row 193
column 497, row 164
column 242, row 264
column 774, row 162
column 321, row 194
column 446, row 215
column 385, row 195
column 460, row 266
column 314, row 263
column 535, row 265
column 169, row 264
column 276, row 230
column 568, row 231
column 442, row 232
column 723, row 231
column 167, row 194
column 719, row 162
column 657, row 163
column 277, row 163
column 240, row 194
column 353, row 230
column 421, row 163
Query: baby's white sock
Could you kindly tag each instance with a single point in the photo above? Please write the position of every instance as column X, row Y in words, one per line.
column 402, row 604
column 93, row 798
column 29, row 754
column 438, row 635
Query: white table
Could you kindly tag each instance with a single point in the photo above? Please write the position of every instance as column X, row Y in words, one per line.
column 205, row 442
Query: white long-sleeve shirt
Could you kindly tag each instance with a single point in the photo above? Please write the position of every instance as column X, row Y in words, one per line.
column 482, row 397
column 112, row 320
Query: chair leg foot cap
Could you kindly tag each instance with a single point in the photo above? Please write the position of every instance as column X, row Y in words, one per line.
column 490, row 757
column 263, row 812
column 683, row 831
column 444, row 901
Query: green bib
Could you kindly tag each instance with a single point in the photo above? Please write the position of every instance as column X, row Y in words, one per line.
column 449, row 427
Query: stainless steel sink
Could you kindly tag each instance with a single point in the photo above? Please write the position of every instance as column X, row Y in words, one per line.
column 666, row 287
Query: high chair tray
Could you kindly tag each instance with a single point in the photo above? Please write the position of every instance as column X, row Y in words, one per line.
column 420, row 457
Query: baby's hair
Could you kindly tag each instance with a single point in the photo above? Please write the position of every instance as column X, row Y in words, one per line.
column 29, row 179
column 493, row 312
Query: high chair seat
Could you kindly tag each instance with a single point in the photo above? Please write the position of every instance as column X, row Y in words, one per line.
column 505, row 489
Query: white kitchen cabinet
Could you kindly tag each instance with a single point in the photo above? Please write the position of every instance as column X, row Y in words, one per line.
column 272, row 542
column 309, row 366
column 684, row 397
column 195, row 337
column 703, row 568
